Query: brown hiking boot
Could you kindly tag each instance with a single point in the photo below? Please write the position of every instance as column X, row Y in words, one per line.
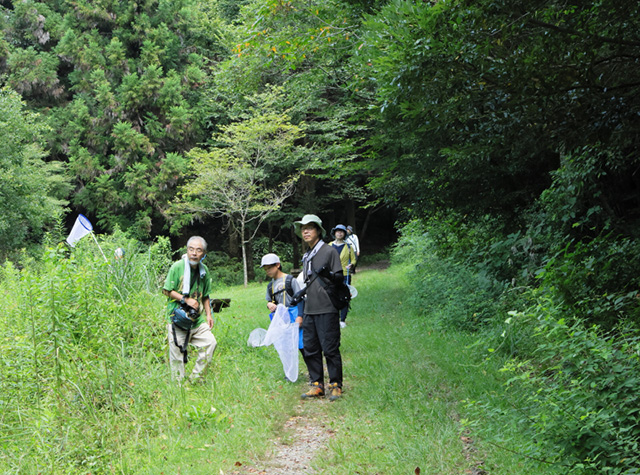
column 317, row 390
column 334, row 391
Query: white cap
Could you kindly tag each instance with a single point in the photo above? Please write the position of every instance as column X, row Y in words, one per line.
column 269, row 259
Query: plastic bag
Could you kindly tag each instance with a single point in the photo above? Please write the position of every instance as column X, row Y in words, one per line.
column 293, row 314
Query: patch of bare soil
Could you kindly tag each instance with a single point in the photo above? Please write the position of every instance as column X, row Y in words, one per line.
column 471, row 455
column 380, row 265
column 303, row 436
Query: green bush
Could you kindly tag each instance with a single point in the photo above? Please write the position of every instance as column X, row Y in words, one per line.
column 488, row 247
column 598, row 279
column 449, row 292
column 224, row 270
column 260, row 246
column 579, row 394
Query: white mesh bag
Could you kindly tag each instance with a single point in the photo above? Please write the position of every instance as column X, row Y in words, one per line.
column 256, row 337
column 284, row 336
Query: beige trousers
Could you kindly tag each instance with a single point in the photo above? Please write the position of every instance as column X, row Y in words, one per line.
column 204, row 341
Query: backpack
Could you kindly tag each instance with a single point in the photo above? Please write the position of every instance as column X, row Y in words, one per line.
column 288, row 287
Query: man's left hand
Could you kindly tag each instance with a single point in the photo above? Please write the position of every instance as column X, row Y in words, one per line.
column 193, row 303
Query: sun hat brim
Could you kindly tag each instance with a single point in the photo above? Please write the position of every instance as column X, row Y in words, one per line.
column 308, row 219
column 339, row 227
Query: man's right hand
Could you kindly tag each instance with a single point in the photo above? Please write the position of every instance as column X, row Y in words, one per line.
column 297, row 297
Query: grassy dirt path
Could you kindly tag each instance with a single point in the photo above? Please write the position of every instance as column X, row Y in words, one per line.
column 294, row 452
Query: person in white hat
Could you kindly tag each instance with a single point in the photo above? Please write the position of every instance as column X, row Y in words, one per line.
column 280, row 290
column 282, row 287
column 321, row 321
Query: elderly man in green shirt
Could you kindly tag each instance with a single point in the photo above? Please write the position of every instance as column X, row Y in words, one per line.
column 187, row 288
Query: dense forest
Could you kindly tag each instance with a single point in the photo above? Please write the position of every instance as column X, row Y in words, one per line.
column 500, row 139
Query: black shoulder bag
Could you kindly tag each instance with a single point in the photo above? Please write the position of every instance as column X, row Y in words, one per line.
column 184, row 318
column 339, row 293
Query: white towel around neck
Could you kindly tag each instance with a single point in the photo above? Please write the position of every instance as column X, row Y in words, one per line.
column 186, row 279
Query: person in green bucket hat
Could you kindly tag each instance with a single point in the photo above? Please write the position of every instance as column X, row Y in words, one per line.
column 309, row 219
column 321, row 319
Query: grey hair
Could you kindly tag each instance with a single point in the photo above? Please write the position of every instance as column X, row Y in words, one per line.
column 204, row 243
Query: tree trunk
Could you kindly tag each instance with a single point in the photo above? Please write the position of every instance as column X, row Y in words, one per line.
column 362, row 235
column 251, row 272
column 234, row 250
column 350, row 219
column 297, row 256
column 244, row 255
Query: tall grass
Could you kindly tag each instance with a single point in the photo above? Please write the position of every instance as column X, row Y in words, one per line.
column 85, row 386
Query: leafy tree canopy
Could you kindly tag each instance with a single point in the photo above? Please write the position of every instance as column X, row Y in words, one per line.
column 119, row 83
column 483, row 99
column 304, row 47
column 32, row 191
column 248, row 176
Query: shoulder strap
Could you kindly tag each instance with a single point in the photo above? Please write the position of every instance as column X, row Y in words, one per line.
column 270, row 290
column 323, row 282
column 288, row 284
column 288, row 287
column 183, row 348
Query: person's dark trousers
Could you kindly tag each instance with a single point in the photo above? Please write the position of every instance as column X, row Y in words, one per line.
column 321, row 335
column 344, row 311
column 343, row 314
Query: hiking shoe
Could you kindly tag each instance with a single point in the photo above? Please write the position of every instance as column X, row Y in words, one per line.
column 335, row 391
column 317, row 390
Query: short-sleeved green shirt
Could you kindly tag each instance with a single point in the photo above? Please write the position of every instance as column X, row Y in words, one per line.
column 200, row 287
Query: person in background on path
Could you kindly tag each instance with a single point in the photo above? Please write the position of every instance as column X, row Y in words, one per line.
column 347, row 260
column 188, row 286
column 281, row 290
column 320, row 322
column 355, row 244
